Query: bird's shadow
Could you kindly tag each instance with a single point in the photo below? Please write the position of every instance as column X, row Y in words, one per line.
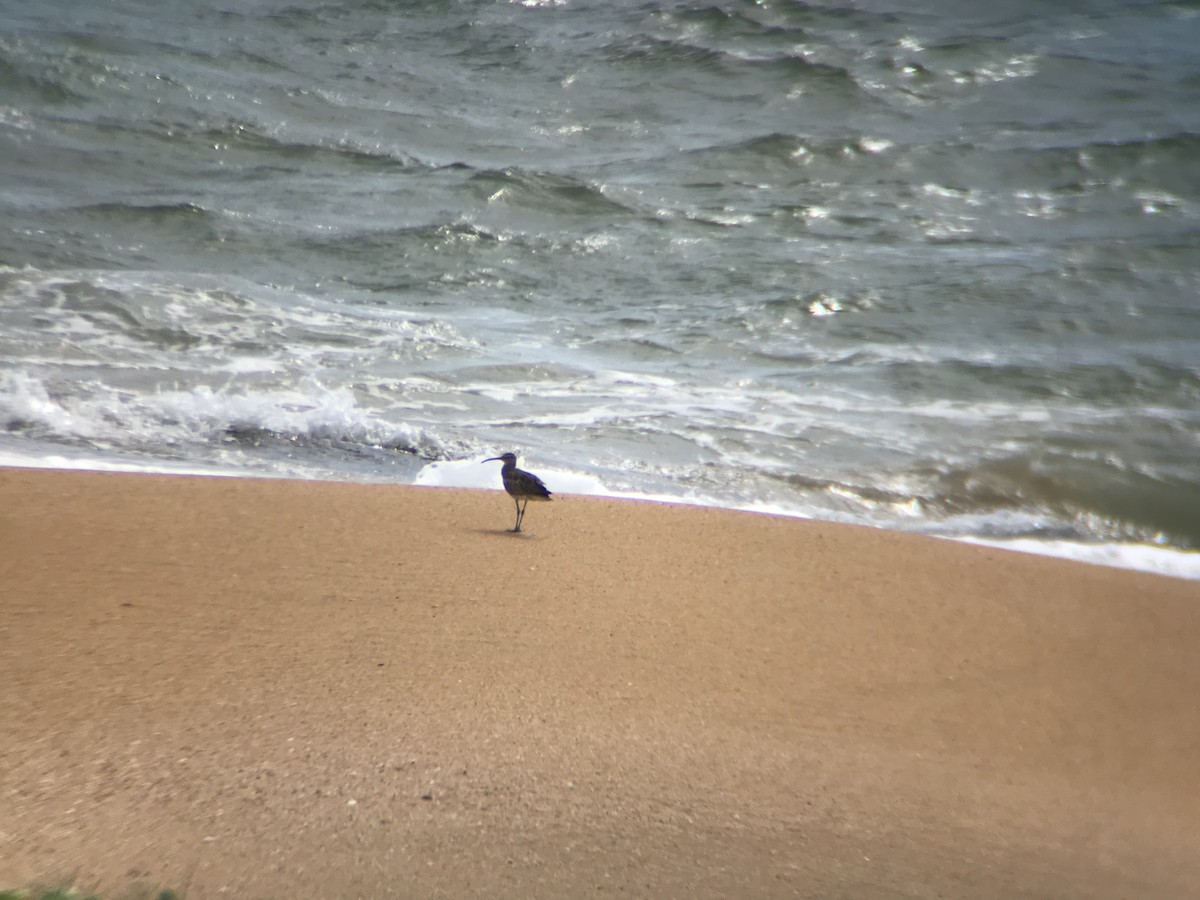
column 507, row 532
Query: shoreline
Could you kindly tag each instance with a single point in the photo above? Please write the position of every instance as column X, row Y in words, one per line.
column 282, row 687
column 1171, row 562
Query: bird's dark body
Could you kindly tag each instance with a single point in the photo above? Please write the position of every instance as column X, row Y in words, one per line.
column 521, row 485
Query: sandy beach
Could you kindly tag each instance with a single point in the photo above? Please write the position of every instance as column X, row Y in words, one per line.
column 265, row 688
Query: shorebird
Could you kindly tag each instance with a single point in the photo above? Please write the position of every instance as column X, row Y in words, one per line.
column 521, row 485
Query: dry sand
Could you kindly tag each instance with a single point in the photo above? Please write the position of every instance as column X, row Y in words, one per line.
column 259, row 689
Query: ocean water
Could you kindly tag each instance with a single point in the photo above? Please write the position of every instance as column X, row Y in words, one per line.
column 922, row 265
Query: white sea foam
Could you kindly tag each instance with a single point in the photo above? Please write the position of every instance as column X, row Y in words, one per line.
column 25, row 399
column 471, row 473
column 93, row 463
column 1141, row 557
column 310, row 409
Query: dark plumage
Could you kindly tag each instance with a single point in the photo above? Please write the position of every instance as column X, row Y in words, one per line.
column 521, row 485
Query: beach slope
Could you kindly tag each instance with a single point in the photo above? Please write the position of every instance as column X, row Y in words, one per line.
column 261, row 688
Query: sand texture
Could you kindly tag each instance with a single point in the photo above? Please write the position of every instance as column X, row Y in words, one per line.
column 274, row 689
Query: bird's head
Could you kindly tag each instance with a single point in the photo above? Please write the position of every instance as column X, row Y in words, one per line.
column 509, row 459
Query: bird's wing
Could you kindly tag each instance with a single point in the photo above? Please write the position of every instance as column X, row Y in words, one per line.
column 533, row 484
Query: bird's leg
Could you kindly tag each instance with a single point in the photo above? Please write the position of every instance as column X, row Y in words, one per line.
column 521, row 515
column 517, row 503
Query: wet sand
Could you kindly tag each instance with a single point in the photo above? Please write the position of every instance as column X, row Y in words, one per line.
column 257, row 688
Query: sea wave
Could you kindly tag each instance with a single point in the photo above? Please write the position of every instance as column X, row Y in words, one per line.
column 306, row 430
